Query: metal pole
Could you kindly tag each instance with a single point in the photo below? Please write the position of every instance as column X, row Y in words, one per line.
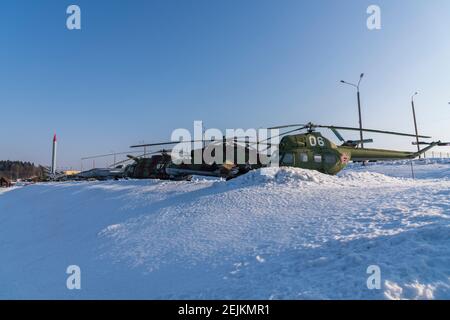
column 415, row 125
column 359, row 106
column 412, row 169
column 360, row 119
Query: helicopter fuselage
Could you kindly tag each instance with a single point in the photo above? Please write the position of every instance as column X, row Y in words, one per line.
column 313, row 151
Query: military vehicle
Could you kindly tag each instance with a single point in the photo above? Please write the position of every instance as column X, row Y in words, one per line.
column 311, row 150
column 145, row 168
column 308, row 150
column 161, row 166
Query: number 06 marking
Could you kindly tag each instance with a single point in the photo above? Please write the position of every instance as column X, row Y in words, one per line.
column 313, row 141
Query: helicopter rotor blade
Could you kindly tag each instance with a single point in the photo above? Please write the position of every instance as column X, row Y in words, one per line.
column 121, row 162
column 287, row 126
column 371, row 130
column 358, row 142
column 334, row 128
column 187, row 141
column 337, row 134
column 252, row 142
column 164, row 143
column 284, row 133
column 109, row 155
column 440, row 144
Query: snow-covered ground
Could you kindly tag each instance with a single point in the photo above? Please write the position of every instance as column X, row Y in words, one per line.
column 271, row 234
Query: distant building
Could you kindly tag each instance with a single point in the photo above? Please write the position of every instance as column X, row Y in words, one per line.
column 5, row 182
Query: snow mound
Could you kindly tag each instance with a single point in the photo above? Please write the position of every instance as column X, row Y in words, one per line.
column 293, row 177
column 283, row 175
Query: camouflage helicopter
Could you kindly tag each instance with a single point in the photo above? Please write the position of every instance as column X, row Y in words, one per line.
column 311, row 150
column 153, row 167
column 308, row 150
column 161, row 166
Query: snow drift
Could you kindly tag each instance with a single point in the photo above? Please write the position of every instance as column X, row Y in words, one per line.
column 274, row 233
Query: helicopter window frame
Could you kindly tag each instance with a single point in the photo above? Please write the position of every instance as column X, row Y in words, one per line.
column 318, row 158
column 292, row 159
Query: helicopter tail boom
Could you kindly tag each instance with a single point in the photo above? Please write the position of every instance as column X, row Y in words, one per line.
column 366, row 154
column 431, row 145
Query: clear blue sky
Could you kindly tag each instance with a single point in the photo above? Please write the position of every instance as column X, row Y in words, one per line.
column 139, row 69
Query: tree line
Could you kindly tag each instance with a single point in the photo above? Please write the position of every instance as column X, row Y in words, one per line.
column 15, row 170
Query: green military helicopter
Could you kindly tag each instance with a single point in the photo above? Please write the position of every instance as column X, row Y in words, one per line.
column 311, row 150
column 308, row 150
column 161, row 166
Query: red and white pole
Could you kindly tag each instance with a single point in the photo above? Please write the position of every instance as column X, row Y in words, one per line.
column 55, row 143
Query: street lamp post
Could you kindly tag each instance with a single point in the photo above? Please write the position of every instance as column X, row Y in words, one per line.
column 359, row 105
column 415, row 121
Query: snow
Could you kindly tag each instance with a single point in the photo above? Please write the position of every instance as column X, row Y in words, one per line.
column 274, row 233
column 423, row 168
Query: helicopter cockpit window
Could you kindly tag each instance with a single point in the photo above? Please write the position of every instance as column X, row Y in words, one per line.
column 317, row 158
column 330, row 158
column 288, row 158
column 303, row 157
